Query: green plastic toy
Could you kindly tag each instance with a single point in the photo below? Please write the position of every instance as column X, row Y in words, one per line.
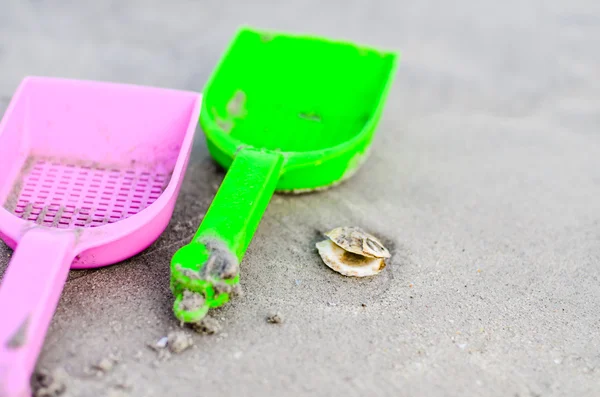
column 285, row 113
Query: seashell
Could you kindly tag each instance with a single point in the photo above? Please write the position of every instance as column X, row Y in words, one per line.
column 357, row 241
column 348, row 263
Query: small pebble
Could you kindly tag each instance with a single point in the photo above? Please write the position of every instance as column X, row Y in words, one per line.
column 275, row 318
column 178, row 341
column 50, row 384
column 162, row 342
column 208, row 325
column 104, row 365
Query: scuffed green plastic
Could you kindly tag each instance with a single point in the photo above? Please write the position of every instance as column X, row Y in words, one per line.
column 281, row 112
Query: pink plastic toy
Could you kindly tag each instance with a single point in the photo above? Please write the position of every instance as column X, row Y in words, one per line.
column 89, row 176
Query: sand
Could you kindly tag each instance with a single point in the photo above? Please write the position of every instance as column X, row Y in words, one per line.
column 484, row 176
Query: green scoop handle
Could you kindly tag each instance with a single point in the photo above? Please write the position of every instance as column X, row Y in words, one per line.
column 225, row 232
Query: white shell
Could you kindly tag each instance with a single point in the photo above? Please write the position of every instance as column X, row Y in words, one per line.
column 348, row 263
column 356, row 240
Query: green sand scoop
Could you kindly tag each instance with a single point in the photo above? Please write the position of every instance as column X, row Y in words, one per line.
column 281, row 112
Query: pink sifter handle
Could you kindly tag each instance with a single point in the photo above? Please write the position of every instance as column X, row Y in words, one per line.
column 29, row 293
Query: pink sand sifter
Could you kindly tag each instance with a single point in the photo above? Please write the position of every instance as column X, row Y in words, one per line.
column 89, row 176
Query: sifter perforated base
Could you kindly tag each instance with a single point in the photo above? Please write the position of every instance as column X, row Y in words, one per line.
column 68, row 194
